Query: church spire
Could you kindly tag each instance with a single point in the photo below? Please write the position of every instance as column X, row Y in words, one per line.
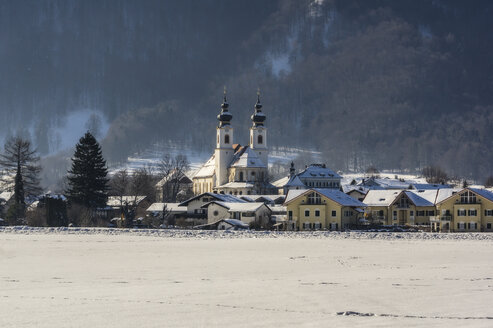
column 225, row 116
column 258, row 117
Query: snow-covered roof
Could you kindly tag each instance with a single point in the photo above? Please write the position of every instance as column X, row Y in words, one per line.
column 116, row 201
column 387, row 183
column 182, row 177
column 294, row 181
column 6, row 195
column 236, row 223
column 380, row 197
column 333, row 194
column 234, row 185
column 418, row 197
column 277, row 208
column 238, row 207
column 418, row 200
column 269, row 198
column 428, row 186
column 207, row 170
column 483, row 192
column 281, row 182
column 349, row 188
column 171, row 207
column 318, row 171
column 218, row 197
column 246, row 157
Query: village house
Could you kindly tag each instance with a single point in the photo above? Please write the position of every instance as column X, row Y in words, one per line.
column 253, row 214
column 321, row 208
column 399, row 207
column 173, row 186
column 313, row 176
column 116, row 205
column 196, row 214
column 469, row 209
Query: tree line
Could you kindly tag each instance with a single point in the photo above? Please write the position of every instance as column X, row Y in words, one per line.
column 88, row 186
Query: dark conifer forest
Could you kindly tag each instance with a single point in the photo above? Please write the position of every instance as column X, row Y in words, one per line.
column 390, row 84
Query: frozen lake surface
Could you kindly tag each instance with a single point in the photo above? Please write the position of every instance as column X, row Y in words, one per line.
column 154, row 278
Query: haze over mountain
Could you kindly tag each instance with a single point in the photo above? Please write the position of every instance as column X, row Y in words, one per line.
column 393, row 84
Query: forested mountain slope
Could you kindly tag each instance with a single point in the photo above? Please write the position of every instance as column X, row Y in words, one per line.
column 394, row 84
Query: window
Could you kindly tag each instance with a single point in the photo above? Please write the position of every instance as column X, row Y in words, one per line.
column 404, row 202
column 241, row 176
column 468, row 198
column 290, row 215
column 488, row 212
column 472, row 212
column 216, row 213
column 314, row 198
column 348, row 213
column 226, row 139
column 430, row 213
column 317, row 212
column 334, row 214
column 260, row 139
column 488, row 226
column 461, row 226
column 420, row 213
column 461, row 212
column 307, row 212
column 411, row 213
column 380, row 213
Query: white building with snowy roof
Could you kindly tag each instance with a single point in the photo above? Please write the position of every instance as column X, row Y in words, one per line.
column 313, row 176
column 234, row 169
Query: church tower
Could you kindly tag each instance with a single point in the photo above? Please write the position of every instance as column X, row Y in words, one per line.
column 224, row 143
column 258, row 132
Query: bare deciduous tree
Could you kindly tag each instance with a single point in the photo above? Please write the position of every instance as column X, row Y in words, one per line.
column 172, row 172
column 19, row 164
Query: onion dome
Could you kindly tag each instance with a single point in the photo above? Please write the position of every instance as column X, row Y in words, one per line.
column 225, row 116
column 258, row 117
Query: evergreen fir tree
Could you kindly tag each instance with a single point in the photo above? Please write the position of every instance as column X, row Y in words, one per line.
column 88, row 184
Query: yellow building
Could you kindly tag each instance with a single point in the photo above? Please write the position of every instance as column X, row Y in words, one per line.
column 400, row 207
column 469, row 209
column 314, row 209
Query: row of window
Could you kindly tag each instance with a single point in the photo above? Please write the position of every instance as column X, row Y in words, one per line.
column 318, row 225
column 471, row 212
column 424, row 213
column 309, row 225
column 317, row 213
column 260, row 139
column 330, row 184
column 469, row 225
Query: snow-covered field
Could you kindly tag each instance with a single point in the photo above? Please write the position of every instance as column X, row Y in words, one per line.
column 154, row 278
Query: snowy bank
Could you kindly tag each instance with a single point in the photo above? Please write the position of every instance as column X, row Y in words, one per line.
column 211, row 234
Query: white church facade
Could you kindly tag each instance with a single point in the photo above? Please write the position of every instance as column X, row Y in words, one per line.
column 235, row 169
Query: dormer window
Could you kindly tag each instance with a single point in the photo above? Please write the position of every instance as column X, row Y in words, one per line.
column 314, row 198
column 468, row 198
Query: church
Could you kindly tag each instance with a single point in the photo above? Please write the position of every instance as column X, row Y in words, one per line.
column 235, row 169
